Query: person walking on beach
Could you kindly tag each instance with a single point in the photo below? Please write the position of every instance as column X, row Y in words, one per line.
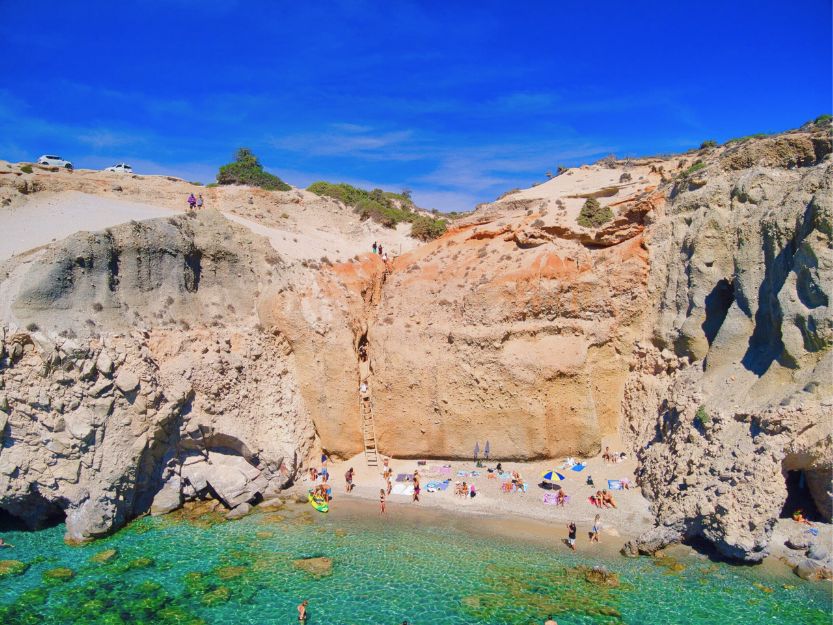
column 380, row 249
column 192, row 201
column 374, row 247
column 416, row 486
column 382, row 500
column 388, row 484
column 199, row 202
column 597, row 527
column 571, row 537
column 302, row 612
column 348, row 477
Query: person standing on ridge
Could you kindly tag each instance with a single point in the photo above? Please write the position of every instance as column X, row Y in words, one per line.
column 374, row 247
column 379, row 249
column 199, row 201
column 192, row 201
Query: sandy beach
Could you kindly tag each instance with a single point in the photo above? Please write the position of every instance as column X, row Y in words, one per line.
column 520, row 515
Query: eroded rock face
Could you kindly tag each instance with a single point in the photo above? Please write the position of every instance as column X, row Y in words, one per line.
column 735, row 389
column 102, row 427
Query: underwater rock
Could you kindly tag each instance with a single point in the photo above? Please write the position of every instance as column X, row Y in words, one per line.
column 317, row 567
column 104, row 556
column 600, row 576
column 218, row 595
column 230, row 572
column 61, row 573
column 12, row 567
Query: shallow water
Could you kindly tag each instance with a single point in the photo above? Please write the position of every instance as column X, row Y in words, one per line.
column 193, row 570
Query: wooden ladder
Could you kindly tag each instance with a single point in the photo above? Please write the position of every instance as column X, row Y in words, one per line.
column 369, row 433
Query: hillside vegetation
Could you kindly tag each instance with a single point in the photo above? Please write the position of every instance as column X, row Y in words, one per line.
column 246, row 169
column 384, row 207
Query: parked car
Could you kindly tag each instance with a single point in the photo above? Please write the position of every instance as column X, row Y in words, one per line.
column 122, row 167
column 54, row 161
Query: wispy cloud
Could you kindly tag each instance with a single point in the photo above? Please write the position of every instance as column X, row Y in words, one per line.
column 343, row 139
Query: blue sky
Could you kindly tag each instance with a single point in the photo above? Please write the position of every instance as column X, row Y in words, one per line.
column 457, row 101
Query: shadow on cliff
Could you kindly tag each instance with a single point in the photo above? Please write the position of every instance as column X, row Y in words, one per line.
column 766, row 344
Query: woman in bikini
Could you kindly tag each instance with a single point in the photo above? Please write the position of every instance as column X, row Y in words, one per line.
column 382, row 500
column 597, row 527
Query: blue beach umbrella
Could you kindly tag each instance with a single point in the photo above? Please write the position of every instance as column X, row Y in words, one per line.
column 552, row 476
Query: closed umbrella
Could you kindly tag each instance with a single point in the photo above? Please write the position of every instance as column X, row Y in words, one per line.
column 476, row 450
column 486, row 452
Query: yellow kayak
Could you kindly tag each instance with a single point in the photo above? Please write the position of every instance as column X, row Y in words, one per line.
column 318, row 503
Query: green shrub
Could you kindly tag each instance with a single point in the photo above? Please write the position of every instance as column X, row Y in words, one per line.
column 26, row 169
column 710, row 143
column 246, row 169
column 697, row 166
column 821, row 119
column 701, row 416
column 425, row 228
column 593, row 214
column 383, row 207
column 759, row 135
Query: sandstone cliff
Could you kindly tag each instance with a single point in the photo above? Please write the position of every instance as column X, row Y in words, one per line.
column 187, row 357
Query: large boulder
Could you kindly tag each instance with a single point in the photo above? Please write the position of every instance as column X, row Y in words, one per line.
column 651, row 541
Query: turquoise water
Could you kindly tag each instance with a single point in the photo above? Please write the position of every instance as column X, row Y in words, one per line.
column 195, row 570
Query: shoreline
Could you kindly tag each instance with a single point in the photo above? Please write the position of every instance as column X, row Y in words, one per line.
column 524, row 517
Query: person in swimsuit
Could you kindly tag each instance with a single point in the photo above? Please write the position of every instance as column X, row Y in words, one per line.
column 302, row 612
column 382, row 500
column 388, row 484
column 348, row 477
column 416, row 486
column 571, row 537
column 597, row 527
column 550, row 621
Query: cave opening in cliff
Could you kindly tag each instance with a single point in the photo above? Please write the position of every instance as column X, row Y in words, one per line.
column 36, row 513
column 717, row 302
column 799, row 497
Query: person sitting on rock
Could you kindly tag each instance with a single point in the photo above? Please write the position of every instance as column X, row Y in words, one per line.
column 798, row 517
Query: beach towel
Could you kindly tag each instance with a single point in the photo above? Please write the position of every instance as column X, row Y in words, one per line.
column 614, row 484
column 402, row 489
column 404, row 477
column 812, row 530
column 549, row 499
column 505, row 476
column 462, row 473
column 445, row 470
column 422, row 463
column 579, row 467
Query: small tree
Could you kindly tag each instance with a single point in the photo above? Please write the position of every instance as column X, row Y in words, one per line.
column 246, row 169
column 593, row 214
column 710, row 143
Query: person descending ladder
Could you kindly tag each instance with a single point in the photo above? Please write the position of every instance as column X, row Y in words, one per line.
column 368, row 429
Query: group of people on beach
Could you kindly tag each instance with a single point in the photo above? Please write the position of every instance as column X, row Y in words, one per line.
column 195, row 202
column 603, row 499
